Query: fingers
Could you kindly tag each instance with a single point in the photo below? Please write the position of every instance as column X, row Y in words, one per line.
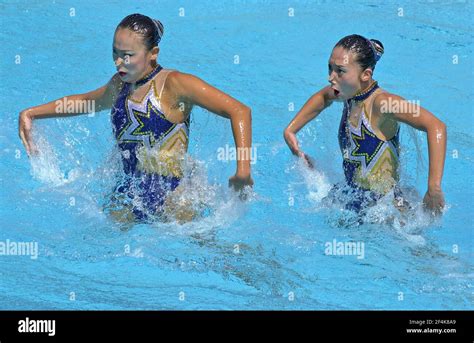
column 25, row 142
column 28, row 141
column 231, row 183
column 24, row 131
column 33, row 149
column 239, row 184
column 309, row 161
column 293, row 145
column 440, row 206
column 236, row 185
column 433, row 205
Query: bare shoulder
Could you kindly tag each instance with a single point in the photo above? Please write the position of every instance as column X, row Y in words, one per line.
column 384, row 102
column 177, row 80
column 186, row 86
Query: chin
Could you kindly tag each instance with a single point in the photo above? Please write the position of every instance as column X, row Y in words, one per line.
column 124, row 78
column 341, row 97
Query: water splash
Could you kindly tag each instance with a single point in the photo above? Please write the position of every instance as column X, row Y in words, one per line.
column 216, row 206
column 45, row 165
column 408, row 222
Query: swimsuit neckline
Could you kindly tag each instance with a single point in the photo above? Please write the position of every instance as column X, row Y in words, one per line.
column 363, row 95
column 358, row 98
column 148, row 77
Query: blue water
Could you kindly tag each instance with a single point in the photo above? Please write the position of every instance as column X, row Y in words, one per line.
column 266, row 253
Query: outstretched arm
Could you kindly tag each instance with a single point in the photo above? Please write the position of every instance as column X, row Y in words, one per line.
column 394, row 108
column 101, row 98
column 195, row 91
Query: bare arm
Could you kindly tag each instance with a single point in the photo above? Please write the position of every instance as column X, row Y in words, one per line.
column 311, row 109
column 421, row 119
column 99, row 99
column 195, row 91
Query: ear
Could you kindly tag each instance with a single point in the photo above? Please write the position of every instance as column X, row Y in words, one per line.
column 154, row 53
column 366, row 75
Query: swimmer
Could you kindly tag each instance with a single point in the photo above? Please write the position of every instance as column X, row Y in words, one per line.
column 370, row 125
column 150, row 115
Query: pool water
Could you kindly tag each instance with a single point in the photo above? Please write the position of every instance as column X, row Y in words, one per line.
column 274, row 251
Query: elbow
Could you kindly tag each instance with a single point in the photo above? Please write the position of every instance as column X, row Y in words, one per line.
column 437, row 130
column 248, row 112
column 287, row 133
column 444, row 127
column 435, row 126
column 243, row 112
column 441, row 127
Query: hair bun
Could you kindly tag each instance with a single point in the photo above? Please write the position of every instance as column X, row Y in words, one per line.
column 160, row 28
column 378, row 48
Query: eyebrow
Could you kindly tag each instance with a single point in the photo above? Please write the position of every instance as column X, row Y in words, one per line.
column 122, row 50
column 337, row 65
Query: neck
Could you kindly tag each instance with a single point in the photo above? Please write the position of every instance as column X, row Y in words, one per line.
column 147, row 71
column 364, row 86
column 148, row 75
column 366, row 90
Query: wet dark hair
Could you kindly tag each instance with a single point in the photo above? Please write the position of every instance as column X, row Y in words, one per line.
column 367, row 51
column 150, row 29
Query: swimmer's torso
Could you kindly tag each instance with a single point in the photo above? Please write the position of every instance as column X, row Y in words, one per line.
column 151, row 140
column 369, row 162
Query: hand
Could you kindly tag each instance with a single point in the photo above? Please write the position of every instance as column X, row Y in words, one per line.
column 434, row 200
column 25, row 124
column 308, row 160
column 239, row 181
column 290, row 139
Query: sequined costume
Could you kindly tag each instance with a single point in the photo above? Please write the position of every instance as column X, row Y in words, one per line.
column 151, row 146
column 370, row 164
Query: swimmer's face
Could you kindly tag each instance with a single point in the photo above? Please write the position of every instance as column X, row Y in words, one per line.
column 345, row 74
column 132, row 58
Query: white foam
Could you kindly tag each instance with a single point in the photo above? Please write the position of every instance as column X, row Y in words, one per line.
column 223, row 204
column 408, row 225
column 317, row 182
column 45, row 165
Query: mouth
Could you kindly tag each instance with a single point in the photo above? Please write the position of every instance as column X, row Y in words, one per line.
column 336, row 92
column 122, row 73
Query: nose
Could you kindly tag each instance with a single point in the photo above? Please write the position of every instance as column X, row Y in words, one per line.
column 118, row 61
column 331, row 77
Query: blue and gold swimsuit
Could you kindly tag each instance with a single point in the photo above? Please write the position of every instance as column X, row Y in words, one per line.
column 151, row 146
column 370, row 164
